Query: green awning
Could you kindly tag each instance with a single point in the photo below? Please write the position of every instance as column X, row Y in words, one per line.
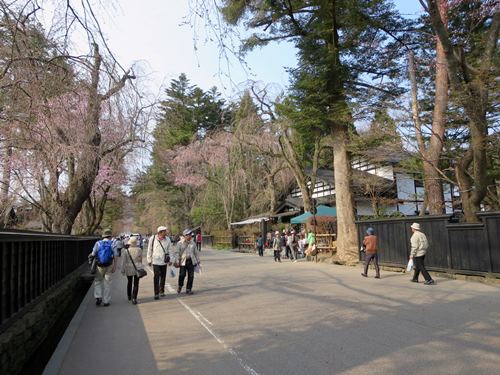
column 321, row 211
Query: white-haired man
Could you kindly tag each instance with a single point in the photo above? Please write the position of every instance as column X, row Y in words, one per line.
column 419, row 246
column 160, row 251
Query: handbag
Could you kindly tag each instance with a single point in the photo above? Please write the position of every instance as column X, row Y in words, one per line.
column 139, row 272
column 93, row 265
column 312, row 250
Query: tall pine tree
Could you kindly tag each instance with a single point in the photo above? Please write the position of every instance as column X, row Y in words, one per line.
column 346, row 48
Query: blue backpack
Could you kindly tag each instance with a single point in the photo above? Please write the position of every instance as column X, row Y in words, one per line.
column 105, row 253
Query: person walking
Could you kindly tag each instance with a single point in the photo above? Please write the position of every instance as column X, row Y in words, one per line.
column 289, row 245
column 283, row 243
column 269, row 240
column 106, row 266
column 199, row 240
column 259, row 243
column 295, row 245
column 132, row 261
column 118, row 245
column 187, row 258
column 301, row 244
column 370, row 243
column 160, row 251
column 277, row 247
column 419, row 246
column 310, row 238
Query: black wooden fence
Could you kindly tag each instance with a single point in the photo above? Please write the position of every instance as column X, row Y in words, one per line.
column 31, row 263
column 456, row 248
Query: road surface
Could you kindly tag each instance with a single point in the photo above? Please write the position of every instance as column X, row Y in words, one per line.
column 250, row 315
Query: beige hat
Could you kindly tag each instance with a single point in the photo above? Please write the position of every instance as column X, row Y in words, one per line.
column 415, row 226
column 160, row 229
column 132, row 241
column 106, row 233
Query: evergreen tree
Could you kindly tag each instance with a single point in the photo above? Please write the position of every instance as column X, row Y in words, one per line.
column 187, row 114
column 344, row 46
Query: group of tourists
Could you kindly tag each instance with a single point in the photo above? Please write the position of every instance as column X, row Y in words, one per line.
column 289, row 243
column 161, row 253
column 419, row 246
column 286, row 242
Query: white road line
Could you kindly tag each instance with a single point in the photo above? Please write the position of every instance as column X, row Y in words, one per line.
column 201, row 319
column 230, row 350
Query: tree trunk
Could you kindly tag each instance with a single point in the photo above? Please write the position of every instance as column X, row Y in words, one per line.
column 83, row 168
column 4, row 189
column 431, row 154
column 294, row 163
column 465, row 186
column 433, row 189
column 433, row 182
column 271, row 192
column 340, row 121
column 471, row 87
column 347, row 236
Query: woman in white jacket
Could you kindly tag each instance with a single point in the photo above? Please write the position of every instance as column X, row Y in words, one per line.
column 133, row 253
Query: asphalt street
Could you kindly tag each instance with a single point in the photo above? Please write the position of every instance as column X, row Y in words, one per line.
column 250, row 315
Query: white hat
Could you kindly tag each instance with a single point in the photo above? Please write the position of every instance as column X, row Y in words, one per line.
column 187, row 232
column 132, row 241
column 277, row 232
column 415, row 226
column 160, row 228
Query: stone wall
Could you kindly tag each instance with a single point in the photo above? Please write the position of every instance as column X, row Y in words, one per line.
column 24, row 336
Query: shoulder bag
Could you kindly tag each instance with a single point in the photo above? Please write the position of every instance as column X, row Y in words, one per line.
column 93, row 265
column 139, row 272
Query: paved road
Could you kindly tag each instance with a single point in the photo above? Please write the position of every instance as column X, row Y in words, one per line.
column 250, row 315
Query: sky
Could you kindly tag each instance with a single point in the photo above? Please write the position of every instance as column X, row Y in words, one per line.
column 154, row 34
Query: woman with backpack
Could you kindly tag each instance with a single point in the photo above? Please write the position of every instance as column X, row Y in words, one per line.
column 132, row 261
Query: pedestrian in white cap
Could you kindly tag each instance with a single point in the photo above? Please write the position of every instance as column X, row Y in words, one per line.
column 277, row 247
column 419, row 246
column 106, row 265
column 160, row 251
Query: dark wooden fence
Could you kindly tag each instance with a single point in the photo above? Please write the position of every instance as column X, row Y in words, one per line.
column 31, row 263
column 456, row 248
